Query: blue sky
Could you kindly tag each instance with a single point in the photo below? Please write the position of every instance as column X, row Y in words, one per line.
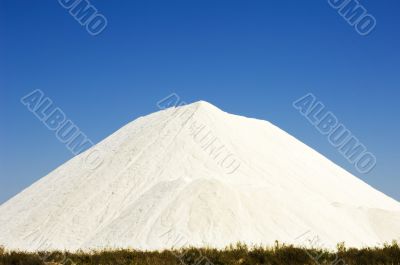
column 252, row 58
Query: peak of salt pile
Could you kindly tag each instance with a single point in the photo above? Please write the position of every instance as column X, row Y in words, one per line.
column 198, row 176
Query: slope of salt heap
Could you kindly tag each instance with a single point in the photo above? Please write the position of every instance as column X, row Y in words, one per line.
column 198, row 176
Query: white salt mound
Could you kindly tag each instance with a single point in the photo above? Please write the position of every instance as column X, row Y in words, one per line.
column 197, row 176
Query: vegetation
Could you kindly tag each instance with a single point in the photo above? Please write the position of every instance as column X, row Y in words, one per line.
column 237, row 255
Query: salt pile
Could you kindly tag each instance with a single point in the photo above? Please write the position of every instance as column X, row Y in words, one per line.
column 197, row 176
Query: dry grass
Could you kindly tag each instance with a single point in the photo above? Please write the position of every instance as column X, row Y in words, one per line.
column 237, row 255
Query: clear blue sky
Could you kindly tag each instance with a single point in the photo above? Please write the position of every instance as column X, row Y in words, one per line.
column 252, row 58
